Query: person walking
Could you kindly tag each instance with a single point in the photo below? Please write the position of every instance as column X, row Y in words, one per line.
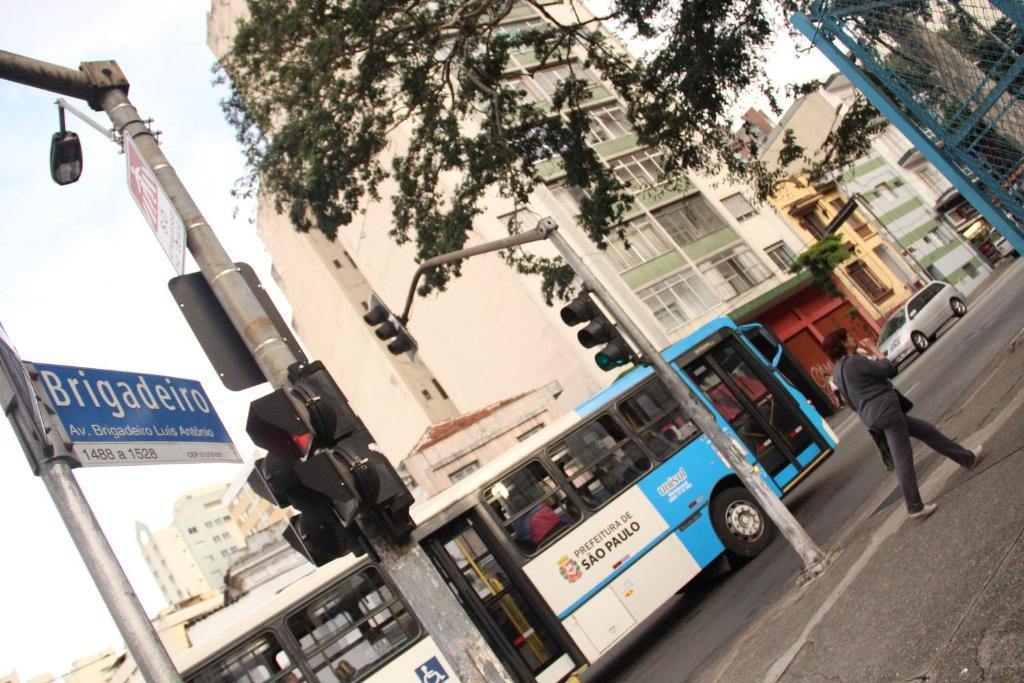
column 864, row 384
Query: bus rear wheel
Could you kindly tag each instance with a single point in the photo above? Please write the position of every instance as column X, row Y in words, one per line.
column 741, row 523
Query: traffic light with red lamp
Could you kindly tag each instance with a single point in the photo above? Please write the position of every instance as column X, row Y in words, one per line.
column 329, row 471
column 598, row 330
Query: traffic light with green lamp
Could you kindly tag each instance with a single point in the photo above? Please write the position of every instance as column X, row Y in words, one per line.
column 598, row 330
column 330, row 470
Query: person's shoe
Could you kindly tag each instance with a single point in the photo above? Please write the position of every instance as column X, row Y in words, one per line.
column 928, row 509
column 979, row 453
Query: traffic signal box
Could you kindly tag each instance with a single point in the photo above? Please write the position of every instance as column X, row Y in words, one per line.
column 598, row 330
column 330, row 471
column 389, row 327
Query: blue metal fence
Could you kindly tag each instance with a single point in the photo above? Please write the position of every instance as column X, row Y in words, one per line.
column 950, row 75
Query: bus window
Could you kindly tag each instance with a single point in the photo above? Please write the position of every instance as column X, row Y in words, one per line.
column 658, row 420
column 353, row 627
column 531, row 507
column 261, row 659
column 600, row 460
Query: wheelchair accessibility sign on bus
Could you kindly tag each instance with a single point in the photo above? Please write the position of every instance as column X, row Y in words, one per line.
column 432, row 671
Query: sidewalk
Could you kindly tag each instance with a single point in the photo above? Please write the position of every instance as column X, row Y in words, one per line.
column 940, row 599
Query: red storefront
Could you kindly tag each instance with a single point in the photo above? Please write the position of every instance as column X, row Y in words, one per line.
column 800, row 314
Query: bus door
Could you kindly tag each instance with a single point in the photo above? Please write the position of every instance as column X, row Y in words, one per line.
column 530, row 642
column 758, row 408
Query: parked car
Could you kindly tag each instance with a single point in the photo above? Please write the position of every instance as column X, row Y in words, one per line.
column 913, row 326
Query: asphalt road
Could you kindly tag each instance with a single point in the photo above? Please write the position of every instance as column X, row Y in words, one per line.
column 685, row 639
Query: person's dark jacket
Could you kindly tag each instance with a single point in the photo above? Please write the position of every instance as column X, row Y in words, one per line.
column 866, row 387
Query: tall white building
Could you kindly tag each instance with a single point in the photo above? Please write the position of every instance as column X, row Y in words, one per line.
column 698, row 249
column 189, row 557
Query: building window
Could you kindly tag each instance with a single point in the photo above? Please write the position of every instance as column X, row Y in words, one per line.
column 690, row 219
column 608, row 123
column 640, row 242
column 463, row 471
column 885, row 192
column 940, row 236
column 734, row 271
column 639, row 170
column 739, row 207
column 813, row 224
column 440, row 389
column 513, row 28
column 781, row 255
column 678, row 298
column 545, row 81
column 867, row 281
column 530, row 432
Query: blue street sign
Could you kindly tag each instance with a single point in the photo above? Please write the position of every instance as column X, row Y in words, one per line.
column 130, row 418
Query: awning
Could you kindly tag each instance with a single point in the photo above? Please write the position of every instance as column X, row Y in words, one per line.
column 752, row 309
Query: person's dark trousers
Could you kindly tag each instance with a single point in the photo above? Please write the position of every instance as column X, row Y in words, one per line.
column 898, row 431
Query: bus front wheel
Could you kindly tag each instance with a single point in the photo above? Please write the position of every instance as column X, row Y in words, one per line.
column 741, row 523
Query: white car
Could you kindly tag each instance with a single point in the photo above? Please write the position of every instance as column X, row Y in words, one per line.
column 914, row 325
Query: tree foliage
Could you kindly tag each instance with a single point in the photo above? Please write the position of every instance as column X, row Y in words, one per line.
column 820, row 260
column 317, row 86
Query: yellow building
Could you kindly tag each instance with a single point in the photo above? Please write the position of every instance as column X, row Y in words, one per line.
column 875, row 278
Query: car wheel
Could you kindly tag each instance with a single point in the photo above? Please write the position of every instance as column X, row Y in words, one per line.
column 741, row 523
column 958, row 306
column 920, row 341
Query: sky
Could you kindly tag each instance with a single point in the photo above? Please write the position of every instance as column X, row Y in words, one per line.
column 84, row 283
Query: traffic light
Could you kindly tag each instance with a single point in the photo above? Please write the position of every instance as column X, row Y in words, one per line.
column 599, row 330
column 318, row 531
column 389, row 326
column 330, row 470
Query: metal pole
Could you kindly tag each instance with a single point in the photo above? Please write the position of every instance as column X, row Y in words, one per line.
column 487, row 247
column 460, row 641
column 270, row 351
column 139, row 635
column 813, row 558
column 40, row 74
column 40, row 439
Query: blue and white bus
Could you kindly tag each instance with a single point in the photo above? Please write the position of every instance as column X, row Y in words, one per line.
column 344, row 621
column 563, row 545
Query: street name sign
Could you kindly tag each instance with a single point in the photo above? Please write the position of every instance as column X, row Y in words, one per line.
column 128, row 418
column 156, row 208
